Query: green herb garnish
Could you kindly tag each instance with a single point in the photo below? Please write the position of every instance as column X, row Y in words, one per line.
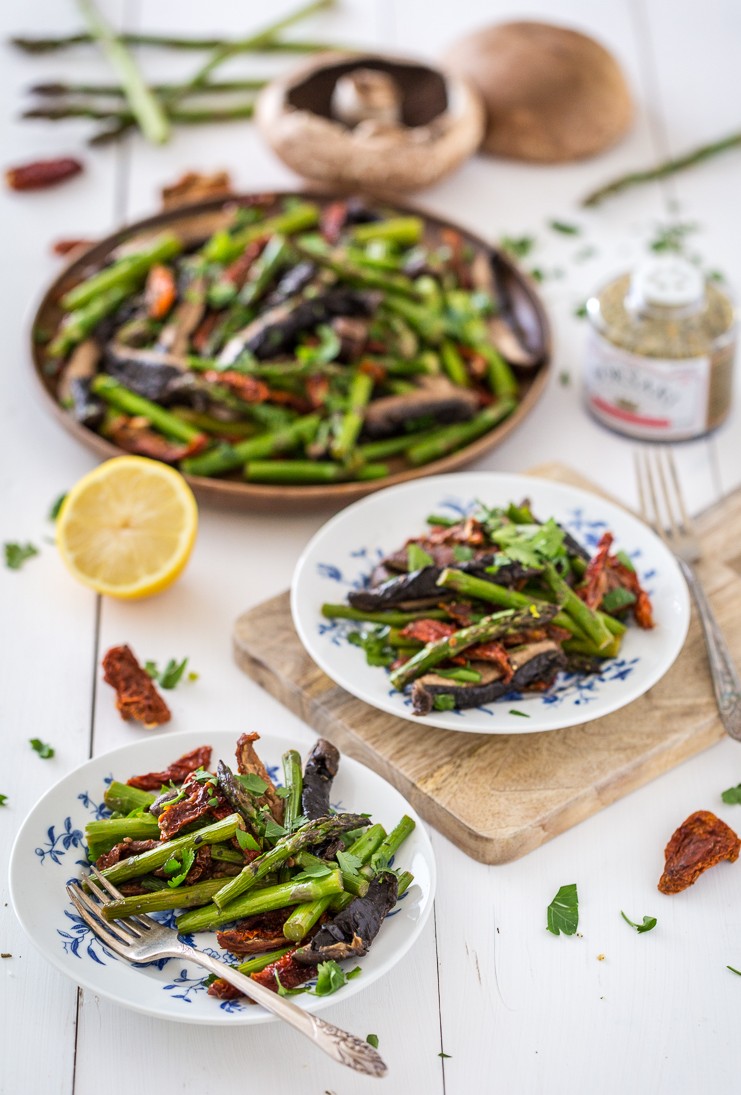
column 460, row 673
column 615, row 600
column 462, row 553
column 372, row 1040
column 564, row 378
column 580, row 312
column 625, row 559
column 178, row 869
column 252, row 783
column 443, row 701
column 171, row 675
column 734, row 970
column 45, row 751
column 732, row 797
column 246, row 841
column 445, row 1055
column 349, row 863
column 649, row 922
column 417, row 558
column 373, row 642
column 514, row 711
column 56, row 506
column 517, row 246
column 565, row 228
column 3, row 800
column 17, row 554
column 563, row 911
column 330, row 978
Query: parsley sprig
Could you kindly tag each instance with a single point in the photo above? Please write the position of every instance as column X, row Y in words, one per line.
column 563, row 911
column 17, row 554
column 45, row 751
column 649, row 922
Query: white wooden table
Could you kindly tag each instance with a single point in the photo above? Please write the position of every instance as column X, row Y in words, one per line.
column 515, row 1009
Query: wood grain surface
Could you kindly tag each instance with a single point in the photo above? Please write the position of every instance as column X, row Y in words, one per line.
column 497, row 797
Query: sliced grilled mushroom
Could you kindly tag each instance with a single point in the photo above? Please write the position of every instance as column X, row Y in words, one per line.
column 532, row 663
column 81, row 366
column 319, row 771
column 353, row 930
column 435, row 397
column 155, row 375
column 423, row 583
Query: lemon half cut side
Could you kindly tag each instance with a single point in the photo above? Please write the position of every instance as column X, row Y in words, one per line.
column 127, row 528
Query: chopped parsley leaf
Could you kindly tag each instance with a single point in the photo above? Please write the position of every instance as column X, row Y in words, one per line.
column 417, row 558
column 252, row 783
column 372, row 1040
column 45, row 751
column 615, row 600
column 580, row 312
column 517, row 246
column 374, row 644
column 330, row 978
column 732, row 797
column 3, row 800
column 649, row 922
column 348, row 862
column 443, row 701
column 172, row 673
column 445, row 1055
column 563, row 911
column 17, row 554
column 56, row 506
column 462, row 553
column 565, row 228
column 246, row 841
column 514, row 711
column 733, row 970
column 179, row 869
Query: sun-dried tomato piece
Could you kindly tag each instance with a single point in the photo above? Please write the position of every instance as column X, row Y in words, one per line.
column 248, row 388
column 700, row 842
column 64, row 246
column 427, row 631
column 194, row 186
column 136, row 696
column 124, row 850
column 594, row 585
column 201, row 798
column 160, row 292
column 492, row 652
column 134, row 435
column 333, row 220
column 225, row 990
column 42, row 173
column 256, row 934
column 290, row 972
column 176, row 772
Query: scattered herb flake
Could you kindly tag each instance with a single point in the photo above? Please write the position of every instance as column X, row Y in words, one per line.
column 672, row 237
column 56, row 506
column 282, row 792
column 564, row 378
column 252, row 783
column 372, row 1040
column 445, row 1055
column 45, row 751
column 417, row 558
column 181, row 867
column 615, row 600
column 213, row 801
column 3, row 800
column 330, row 978
column 584, row 253
column 193, row 676
column 625, row 560
column 375, row 645
column 444, row 701
column 172, row 673
column 273, row 831
column 649, row 922
column 150, row 668
column 581, row 310
column 734, row 970
column 732, row 797
column 518, row 246
column 563, row 911
column 246, row 841
column 348, row 862
column 565, row 228
column 514, row 711
column 462, row 553
column 537, row 274
column 314, row 870
column 17, row 554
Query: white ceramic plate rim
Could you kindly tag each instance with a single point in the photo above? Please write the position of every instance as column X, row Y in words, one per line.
column 493, row 488
column 142, row 756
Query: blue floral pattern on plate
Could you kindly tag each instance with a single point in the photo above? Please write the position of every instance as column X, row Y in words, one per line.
column 575, row 688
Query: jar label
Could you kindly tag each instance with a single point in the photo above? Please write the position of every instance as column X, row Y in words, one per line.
column 651, row 398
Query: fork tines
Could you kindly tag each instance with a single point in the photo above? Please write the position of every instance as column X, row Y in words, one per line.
column 660, row 496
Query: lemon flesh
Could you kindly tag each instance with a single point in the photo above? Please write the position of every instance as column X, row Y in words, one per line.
column 128, row 527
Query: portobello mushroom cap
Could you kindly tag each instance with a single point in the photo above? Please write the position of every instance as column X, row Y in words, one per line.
column 334, row 119
column 353, row 930
column 319, row 771
column 423, row 583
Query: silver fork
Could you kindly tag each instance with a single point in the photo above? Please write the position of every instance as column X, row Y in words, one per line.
column 142, row 939
column 662, row 506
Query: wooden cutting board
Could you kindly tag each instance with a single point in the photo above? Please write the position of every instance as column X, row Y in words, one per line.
column 499, row 796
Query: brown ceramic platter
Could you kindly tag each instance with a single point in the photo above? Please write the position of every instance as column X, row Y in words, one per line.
column 519, row 304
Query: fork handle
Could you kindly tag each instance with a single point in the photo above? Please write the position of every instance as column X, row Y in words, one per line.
column 726, row 680
column 339, row 1044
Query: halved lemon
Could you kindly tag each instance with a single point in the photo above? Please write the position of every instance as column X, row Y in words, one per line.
column 127, row 528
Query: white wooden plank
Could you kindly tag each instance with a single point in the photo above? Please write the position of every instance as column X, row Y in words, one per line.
column 48, row 632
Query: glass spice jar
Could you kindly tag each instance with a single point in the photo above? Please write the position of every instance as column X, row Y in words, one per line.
column 660, row 352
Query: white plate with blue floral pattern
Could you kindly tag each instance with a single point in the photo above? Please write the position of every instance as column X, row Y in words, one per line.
column 50, row 850
column 342, row 555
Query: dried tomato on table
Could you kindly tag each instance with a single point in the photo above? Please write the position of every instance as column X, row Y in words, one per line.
column 175, row 772
column 42, row 173
column 136, row 696
column 700, row 842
